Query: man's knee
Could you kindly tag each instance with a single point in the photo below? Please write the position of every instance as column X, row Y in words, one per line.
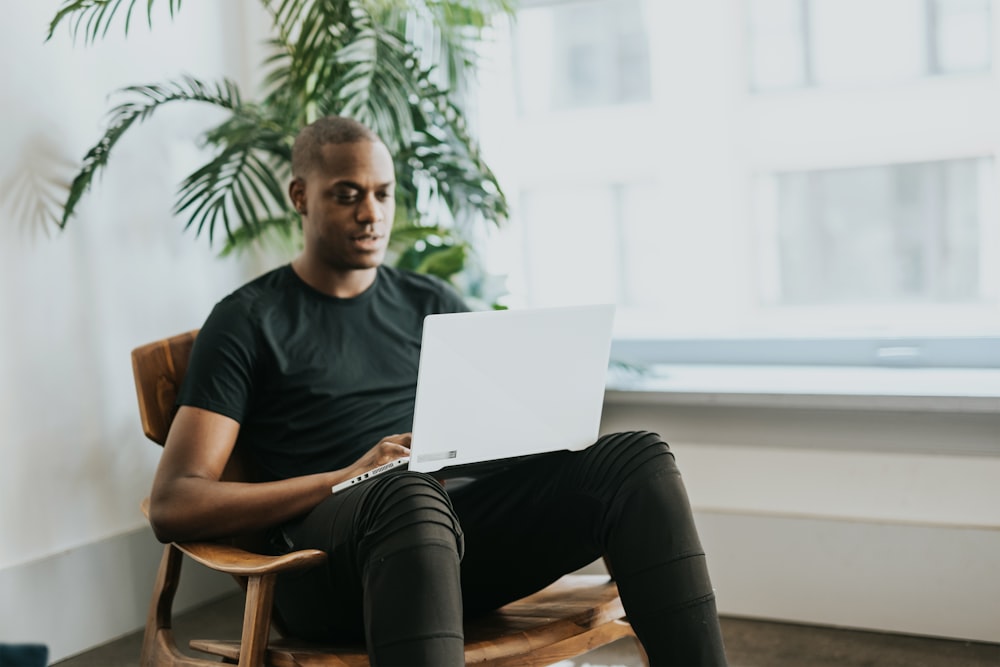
column 648, row 510
column 407, row 509
column 620, row 459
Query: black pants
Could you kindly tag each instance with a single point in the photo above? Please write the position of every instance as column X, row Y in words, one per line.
column 408, row 559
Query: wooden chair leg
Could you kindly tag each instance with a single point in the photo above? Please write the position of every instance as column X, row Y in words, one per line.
column 257, row 620
column 159, row 649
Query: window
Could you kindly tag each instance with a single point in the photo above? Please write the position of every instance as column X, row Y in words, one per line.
column 840, row 187
column 801, row 43
column 960, row 40
column 582, row 54
column 887, row 234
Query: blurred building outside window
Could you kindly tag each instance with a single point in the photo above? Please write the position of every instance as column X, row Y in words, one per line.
column 753, row 169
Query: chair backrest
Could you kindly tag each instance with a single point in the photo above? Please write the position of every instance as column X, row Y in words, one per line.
column 159, row 368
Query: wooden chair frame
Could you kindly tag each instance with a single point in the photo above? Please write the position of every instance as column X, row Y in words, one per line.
column 575, row 615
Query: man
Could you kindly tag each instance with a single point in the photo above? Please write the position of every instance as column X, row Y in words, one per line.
column 311, row 370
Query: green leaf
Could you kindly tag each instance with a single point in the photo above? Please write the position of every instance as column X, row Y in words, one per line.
column 96, row 16
column 443, row 262
column 282, row 231
column 146, row 100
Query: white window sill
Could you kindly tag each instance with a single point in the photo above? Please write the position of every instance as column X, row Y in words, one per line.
column 822, row 387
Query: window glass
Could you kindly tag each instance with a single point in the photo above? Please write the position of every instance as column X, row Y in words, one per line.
column 894, row 234
column 597, row 53
column 961, row 36
column 863, row 43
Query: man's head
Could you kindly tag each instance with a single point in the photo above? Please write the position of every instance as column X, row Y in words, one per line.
column 343, row 185
column 307, row 153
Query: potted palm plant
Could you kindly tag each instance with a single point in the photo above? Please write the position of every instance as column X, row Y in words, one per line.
column 346, row 57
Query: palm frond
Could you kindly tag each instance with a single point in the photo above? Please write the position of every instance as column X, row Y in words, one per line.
column 93, row 18
column 150, row 97
column 376, row 77
column 443, row 153
column 309, row 32
column 371, row 79
column 448, row 31
column 240, row 187
column 348, row 58
column 281, row 231
column 458, row 26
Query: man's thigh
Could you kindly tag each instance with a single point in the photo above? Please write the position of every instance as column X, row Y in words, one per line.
column 364, row 525
column 524, row 528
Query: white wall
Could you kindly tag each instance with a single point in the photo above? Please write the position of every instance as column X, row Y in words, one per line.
column 76, row 560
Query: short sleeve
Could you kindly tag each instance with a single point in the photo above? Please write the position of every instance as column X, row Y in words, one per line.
column 221, row 370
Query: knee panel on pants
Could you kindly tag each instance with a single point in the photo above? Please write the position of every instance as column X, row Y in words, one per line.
column 617, row 461
column 406, row 509
column 648, row 516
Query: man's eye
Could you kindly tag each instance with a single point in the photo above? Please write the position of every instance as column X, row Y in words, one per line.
column 346, row 197
column 384, row 196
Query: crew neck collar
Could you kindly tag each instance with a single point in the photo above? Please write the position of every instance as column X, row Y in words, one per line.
column 360, row 298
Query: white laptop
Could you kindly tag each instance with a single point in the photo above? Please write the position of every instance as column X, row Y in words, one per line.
column 504, row 384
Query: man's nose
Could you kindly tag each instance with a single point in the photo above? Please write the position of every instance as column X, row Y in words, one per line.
column 369, row 210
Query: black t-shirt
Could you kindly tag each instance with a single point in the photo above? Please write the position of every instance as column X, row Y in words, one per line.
column 315, row 381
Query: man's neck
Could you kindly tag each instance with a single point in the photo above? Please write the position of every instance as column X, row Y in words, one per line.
column 345, row 284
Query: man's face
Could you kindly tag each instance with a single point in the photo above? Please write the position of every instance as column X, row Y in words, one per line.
column 347, row 205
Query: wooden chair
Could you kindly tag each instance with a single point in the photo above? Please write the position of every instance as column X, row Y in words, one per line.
column 576, row 614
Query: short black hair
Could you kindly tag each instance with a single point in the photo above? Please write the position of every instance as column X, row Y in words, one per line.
column 307, row 149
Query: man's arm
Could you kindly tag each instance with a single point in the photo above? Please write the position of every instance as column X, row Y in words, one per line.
column 189, row 502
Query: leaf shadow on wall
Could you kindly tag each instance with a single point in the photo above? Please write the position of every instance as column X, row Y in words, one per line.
column 33, row 192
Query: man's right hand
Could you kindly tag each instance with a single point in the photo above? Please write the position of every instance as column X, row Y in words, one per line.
column 388, row 449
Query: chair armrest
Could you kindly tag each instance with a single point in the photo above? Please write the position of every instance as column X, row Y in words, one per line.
column 240, row 562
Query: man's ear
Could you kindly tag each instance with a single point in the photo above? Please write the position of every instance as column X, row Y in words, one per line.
column 297, row 193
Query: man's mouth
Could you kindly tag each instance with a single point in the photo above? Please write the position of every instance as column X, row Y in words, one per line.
column 370, row 236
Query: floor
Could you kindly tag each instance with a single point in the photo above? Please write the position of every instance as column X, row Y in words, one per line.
column 749, row 643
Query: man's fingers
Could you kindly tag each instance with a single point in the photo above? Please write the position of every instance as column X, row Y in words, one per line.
column 402, row 439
